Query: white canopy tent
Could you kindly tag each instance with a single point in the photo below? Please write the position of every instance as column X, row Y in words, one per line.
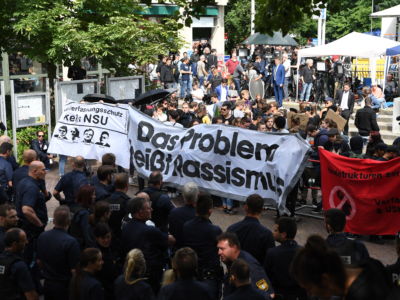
column 390, row 12
column 354, row 44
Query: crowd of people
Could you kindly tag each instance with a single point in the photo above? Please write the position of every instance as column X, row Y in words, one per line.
column 107, row 245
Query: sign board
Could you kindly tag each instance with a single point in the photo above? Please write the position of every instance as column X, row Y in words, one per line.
column 396, row 116
column 66, row 91
column 203, row 22
column 339, row 120
column 3, row 112
column 125, row 87
column 30, row 109
column 303, row 119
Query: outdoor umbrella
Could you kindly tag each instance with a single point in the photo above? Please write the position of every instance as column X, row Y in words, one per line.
column 149, row 97
column 393, row 51
column 99, row 97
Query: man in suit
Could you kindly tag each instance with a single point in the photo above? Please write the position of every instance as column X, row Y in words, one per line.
column 344, row 100
column 222, row 90
column 278, row 74
column 40, row 145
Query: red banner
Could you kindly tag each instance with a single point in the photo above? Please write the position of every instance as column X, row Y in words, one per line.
column 368, row 191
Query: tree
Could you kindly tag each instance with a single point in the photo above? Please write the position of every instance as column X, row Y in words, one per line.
column 115, row 32
column 237, row 22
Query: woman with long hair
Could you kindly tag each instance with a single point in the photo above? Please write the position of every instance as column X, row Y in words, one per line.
column 132, row 285
column 84, row 285
column 80, row 227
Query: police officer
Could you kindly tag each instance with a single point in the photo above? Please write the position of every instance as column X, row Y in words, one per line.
column 118, row 201
column 185, row 287
column 70, row 183
column 104, row 175
column 253, row 236
column 278, row 260
column 240, row 278
column 6, row 172
column 201, row 235
column 31, row 206
column 151, row 240
column 58, row 255
column 15, row 280
column 28, row 156
column 394, row 270
column 352, row 252
column 180, row 215
column 229, row 250
column 8, row 219
column 160, row 202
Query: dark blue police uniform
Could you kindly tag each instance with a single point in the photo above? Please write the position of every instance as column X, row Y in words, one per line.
column 351, row 251
column 29, row 193
column 59, row 254
column 19, row 174
column 245, row 292
column 153, row 243
column 102, row 191
column 90, row 288
column 201, row 235
column 69, row 184
column 6, row 172
column 118, row 201
column 254, row 237
column 2, row 233
column 277, row 265
column 176, row 219
column 140, row 290
column 259, row 280
column 183, row 289
column 394, row 272
column 15, row 278
column 161, row 205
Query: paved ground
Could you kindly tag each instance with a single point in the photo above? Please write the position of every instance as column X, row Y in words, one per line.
column 306, row 226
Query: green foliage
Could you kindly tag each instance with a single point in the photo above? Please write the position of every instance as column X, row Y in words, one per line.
column 114, row 32
column 237, row 22
column 25, row 136
column 343, row 16
column 285, row 15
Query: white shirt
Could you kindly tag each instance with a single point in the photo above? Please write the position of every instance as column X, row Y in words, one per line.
column 344, row 104
column 238, row 113
column 197, row 95
column 176, row 124
column 224, row 95
column 286, row 65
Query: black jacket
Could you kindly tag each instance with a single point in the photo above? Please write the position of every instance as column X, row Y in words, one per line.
column 167, row 74
column 350, row 102
column 366, row 121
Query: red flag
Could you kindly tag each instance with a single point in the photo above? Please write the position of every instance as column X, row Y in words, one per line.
column 368, row 191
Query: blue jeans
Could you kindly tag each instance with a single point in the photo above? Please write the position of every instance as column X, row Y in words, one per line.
column 185, row 88
column 61, row 164
column 237, row 84
column 378, row 102
column 306, row 91
column 227, row 202
column 278, row 91
column 201, row 81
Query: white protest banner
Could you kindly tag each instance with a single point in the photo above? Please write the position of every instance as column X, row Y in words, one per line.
column 228, row 161
column 91, row 130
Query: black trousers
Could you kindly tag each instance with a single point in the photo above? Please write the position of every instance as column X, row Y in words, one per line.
column 346, row 115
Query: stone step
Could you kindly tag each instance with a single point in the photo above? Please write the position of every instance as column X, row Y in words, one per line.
column 387, row 136
column 382, row 125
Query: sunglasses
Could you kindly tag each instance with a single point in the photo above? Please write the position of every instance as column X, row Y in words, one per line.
column 223, row 109
column 40, row 135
